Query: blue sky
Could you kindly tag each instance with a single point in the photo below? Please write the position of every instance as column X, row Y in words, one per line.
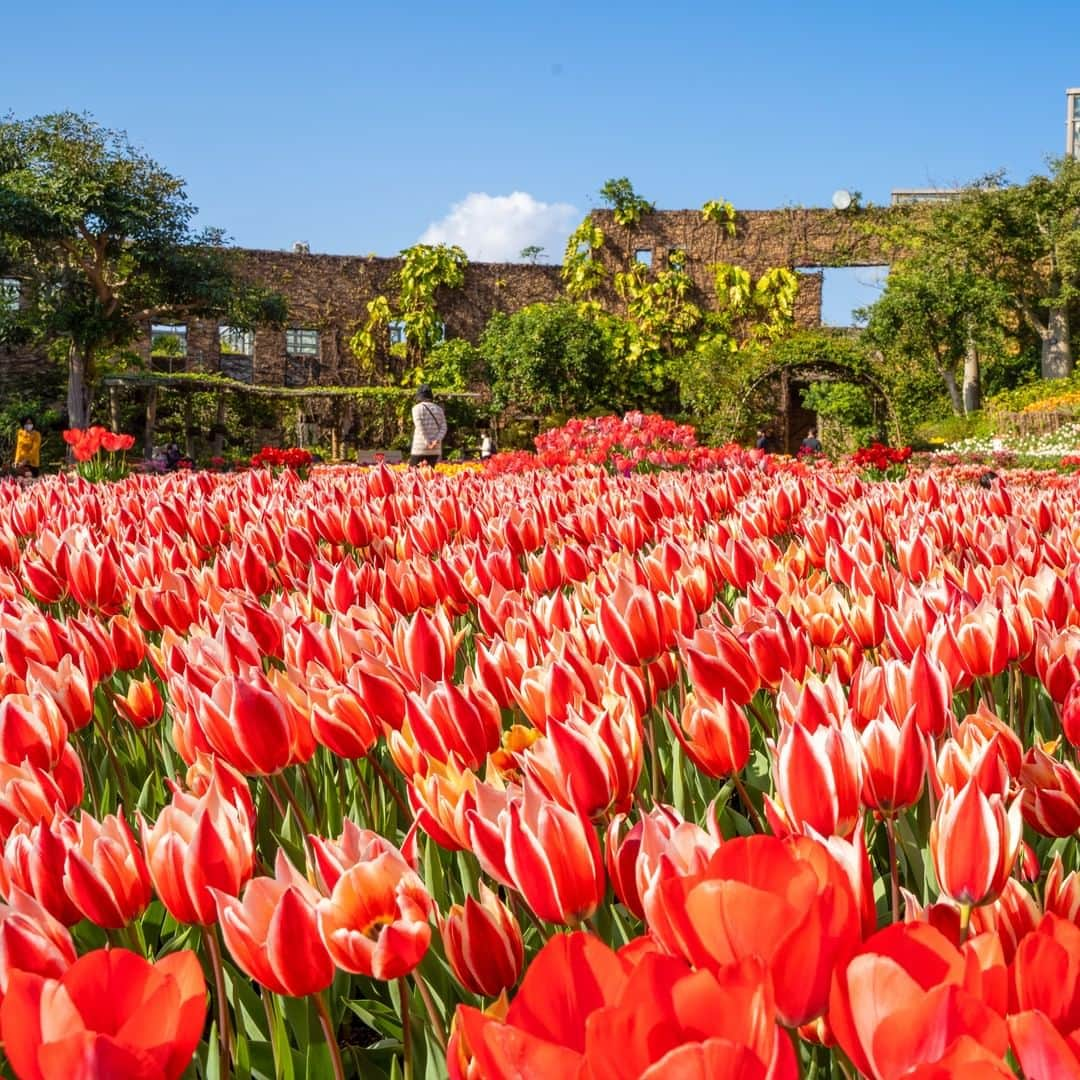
column 360, row 127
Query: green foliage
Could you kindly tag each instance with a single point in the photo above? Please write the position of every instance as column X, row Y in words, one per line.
column 582, row 270
column 425, row 268
column 550, row 358
column 101, row 239
column 628, row 206
column 720, row 212
column 533, row 253
column 452, row 365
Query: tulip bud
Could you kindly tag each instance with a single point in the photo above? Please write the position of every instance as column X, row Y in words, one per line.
column 142, row 705
column 483, row 944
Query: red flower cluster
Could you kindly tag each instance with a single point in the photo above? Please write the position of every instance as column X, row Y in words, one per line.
column 877, row 456
column 86, row 442
column 276, row 458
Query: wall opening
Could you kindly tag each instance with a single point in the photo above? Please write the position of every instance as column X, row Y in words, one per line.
column 846, row 289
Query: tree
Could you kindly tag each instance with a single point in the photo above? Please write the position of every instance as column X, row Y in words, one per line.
column 99, row 236
column 532, row 254
column 551, row 358
column 628, row 206
column 939, row 313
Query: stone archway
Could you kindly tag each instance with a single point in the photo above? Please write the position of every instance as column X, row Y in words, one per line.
column 792, row 420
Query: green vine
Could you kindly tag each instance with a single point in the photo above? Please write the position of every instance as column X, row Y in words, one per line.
column 425, row 268
column 720, row 212
column 582, row 270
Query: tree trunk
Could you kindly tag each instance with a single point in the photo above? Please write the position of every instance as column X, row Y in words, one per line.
column 972, row 380
column 954, row 392
column 151, row 420
column 78, row 404
column 1057, row 361
column 218, row 446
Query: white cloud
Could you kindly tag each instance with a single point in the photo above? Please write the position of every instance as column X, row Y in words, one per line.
column 494, row 228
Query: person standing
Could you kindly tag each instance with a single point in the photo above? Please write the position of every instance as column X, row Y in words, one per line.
column 28, row 446
column 429, row 430
column 487, row 447
column 811, row 444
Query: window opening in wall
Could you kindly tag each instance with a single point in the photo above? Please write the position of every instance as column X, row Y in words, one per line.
column 300, row 342
column 846, row 289
column 168, row 339
column 396, row 328
column 9, row 293
column 236, row 342
column 643, row 256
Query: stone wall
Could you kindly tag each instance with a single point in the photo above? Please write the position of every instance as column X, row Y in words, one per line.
column 329, row 293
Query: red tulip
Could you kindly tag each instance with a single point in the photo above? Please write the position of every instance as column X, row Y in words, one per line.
column 105, row 874
column 895, row 758
column 720, row 666
column 910, row 998
column 1045, row 1020
column 818, row 780
column 590, row 765
column 974, row 841
column 198, row 845
column 633, row 624
column 483, row 944
column 32, row 730
column 714, row 733
column 30, row 795
column 1051, row 794
column 814, row 704
column 548, row 853
column 922, row 684
column 68, row 686
column 31, row 940
column 34, row 859
column 273, row 934
column 110, row 1014
column 787, row 902
column 1062, row 892
column 332, row 858
column 445, row 719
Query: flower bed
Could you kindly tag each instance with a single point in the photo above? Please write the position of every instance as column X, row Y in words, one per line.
column 756, row 772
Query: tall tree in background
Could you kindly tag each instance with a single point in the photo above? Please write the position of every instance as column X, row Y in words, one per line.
column 100, row 237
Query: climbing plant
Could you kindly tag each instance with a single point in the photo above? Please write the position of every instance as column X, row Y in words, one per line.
column 582, row 270
column 720, row 212
column 425, row 268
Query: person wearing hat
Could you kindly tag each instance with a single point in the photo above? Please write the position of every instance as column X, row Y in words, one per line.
column 429, row 430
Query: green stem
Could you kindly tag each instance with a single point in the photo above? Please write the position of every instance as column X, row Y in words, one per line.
column 432, row 1011
column 894, row 869
column 330, row 1035
column 380, row 772
column 271, row 1027
column 406, row 1032
column 751, row 810
column 224, row 1029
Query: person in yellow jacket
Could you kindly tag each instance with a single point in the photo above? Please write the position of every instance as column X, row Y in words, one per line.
column 28, row 446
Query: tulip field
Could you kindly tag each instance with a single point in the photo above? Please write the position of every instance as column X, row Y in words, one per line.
column 748, row 768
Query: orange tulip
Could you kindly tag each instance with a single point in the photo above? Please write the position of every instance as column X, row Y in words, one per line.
column 105, row 874
column 195, row 846
column 375, row 921
column 786, row 902
column 273, row 933
column 974, row 840
column 483, row 946
column 910, row 998
column 142, row 705
column 110, row 1014
column 332, row 858
column 69, row 687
